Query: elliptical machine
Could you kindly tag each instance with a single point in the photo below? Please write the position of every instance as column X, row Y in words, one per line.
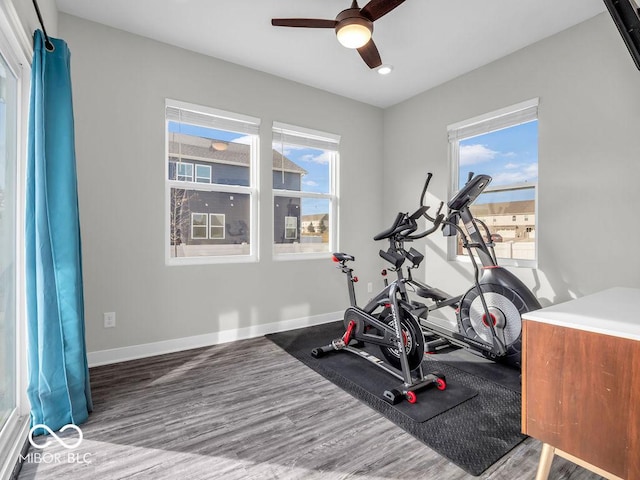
column 387, row 321
column 489, row 313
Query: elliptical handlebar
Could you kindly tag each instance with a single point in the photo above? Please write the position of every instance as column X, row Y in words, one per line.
column 439, row 217
column 424, row 189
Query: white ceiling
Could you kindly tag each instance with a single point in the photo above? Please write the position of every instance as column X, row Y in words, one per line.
column 427, row 41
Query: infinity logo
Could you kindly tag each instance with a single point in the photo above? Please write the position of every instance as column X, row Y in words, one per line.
column 58, row 439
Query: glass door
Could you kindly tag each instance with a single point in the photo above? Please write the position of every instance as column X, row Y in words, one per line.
column 8, row 181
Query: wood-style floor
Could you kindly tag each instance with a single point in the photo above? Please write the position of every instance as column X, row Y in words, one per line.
column 247, row 410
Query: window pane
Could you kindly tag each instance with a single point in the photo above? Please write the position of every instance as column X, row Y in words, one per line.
column 203, row 173
column 185, row 172
column 198, row 233
column 312, row 216
column 8, row 159
column 301, row 168
column 509, row 156
column 290, row 228
column 510, row 216
column 197, row 228
column 216, row 225
column 199, row 219
column 228, row 152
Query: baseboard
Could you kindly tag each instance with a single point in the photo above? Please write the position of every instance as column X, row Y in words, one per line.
column 133, row 352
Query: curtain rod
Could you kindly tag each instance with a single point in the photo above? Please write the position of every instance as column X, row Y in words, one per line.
column 47, row 43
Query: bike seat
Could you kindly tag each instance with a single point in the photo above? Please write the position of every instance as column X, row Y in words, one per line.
column 342, row 257
column 431, row 292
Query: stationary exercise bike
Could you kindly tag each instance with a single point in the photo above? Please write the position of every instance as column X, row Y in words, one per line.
column 489, row 313
column 386, row 321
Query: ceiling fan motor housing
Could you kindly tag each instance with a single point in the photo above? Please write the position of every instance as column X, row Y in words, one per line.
column 352, row 16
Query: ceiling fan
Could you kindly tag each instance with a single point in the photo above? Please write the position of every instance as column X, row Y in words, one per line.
column 353, row 27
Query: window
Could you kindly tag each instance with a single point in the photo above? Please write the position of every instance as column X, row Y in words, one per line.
column 199, row 226
column 211, row 191
column 216, row 226
column 8, row 166
column 185, row 172
column 503, row 145
column 304, row 191
column 207, row 226
column 14, row 107
column 203, row 173
column 290, row 228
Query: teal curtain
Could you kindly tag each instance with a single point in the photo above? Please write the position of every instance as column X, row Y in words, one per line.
column 58, row 373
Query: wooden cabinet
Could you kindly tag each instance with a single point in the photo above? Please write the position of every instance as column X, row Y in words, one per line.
column 581, row 380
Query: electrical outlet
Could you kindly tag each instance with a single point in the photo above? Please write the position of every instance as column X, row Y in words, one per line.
column 369, row 287
column 109, row 319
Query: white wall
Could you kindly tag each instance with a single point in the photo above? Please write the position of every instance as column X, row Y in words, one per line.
column 588, row 169
column 589, row 156
column 29, row 19
column 120, row 83
column 24, row 21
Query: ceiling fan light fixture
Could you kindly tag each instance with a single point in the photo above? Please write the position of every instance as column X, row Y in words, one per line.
column 354, row 32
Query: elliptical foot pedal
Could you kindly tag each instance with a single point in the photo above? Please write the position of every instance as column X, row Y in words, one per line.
column 393, row 396
column 432, row 346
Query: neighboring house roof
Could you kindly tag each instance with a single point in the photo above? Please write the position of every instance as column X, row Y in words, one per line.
column 518, row 207
column 200, row 148
column 314, row 218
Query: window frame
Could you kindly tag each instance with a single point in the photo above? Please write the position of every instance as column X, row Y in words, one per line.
column 223, row 226
column 199, row 226
column 179, row 164
column 196, row 177
column 306, row 137
column 288, row 227
column 221, row 120
column 511, row 116
column 16, row 47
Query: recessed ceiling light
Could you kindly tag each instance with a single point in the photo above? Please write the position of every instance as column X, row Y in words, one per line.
column 385, row 69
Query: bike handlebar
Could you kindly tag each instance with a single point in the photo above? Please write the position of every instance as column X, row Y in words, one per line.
column 401, row 224
column 436, row 224
column 404, row 225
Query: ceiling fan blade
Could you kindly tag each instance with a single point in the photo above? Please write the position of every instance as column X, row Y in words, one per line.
column 303, row 22
column 370, row 54
column 377, row 8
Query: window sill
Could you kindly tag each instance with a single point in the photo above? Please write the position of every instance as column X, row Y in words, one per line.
column 503, row 262
column 286, row 257
column 181, row 261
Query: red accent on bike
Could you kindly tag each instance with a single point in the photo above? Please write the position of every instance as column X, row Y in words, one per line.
column 346, row 338
column 441, row 384
column 384, row 272
column 492, row 266
column 404, row 338
column 387, row 305
column 355, row 279
column 484, row 319
column 411, row 397
column 335, row 259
